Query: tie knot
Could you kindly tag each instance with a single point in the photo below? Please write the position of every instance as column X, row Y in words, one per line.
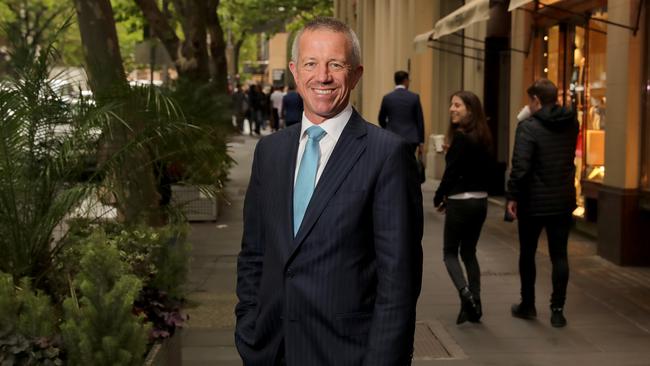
column 315, row 133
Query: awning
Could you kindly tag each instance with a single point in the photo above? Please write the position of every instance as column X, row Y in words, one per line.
column 421, row 40
column 514, row 4
column 470, row 13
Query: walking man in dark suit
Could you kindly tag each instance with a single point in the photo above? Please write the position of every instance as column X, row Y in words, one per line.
column 401, row 113
column 331, row 262
column 541, row 194
column 292, row 107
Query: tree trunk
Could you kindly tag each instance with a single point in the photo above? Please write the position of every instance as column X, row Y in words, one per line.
column 235, row 52
column 133, row 178
column 159, row 23
column 217, row 48
column 189, row 56
column 195, row 47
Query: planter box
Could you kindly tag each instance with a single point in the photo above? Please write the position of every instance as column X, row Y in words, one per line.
column 195, row 205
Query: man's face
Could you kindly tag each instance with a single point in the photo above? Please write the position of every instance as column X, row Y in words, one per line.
column 324, row 74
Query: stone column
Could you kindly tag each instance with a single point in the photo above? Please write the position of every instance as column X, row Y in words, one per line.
column 619, row 217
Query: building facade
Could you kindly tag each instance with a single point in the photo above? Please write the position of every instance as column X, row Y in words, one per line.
column 596, row 51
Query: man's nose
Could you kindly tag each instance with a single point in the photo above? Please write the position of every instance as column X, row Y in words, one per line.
column 323, row 73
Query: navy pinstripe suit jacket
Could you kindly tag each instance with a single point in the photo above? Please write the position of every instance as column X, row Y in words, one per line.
column 344, row 290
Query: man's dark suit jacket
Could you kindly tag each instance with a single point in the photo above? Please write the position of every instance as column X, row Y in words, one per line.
column 292, row 108
column 401, row 113
column 344, row 290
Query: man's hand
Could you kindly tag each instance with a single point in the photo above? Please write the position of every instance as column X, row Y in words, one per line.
column 511, row 208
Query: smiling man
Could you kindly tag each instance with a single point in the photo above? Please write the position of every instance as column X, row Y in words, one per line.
column 330, row 267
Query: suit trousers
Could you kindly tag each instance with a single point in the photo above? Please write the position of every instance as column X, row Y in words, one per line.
column 463, row 222
column 557, row 232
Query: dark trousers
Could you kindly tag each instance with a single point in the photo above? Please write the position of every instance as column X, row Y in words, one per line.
column 275, row 120
column 463, row 222
column 557, row 233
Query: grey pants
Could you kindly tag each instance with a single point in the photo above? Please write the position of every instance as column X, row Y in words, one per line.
column 463, row 223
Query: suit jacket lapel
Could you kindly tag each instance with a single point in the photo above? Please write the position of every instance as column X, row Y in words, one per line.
column 345, row 154
column 287, row 173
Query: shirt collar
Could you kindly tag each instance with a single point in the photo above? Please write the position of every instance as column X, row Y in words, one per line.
column 400, row 86
column 332, row 126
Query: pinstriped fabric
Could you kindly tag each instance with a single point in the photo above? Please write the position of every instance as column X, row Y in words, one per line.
column 343, row 292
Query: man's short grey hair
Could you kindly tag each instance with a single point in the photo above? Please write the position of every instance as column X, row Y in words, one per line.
column 334, row 25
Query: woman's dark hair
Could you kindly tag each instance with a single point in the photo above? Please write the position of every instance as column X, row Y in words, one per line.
column 474, row 125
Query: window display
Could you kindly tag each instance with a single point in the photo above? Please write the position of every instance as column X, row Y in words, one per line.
column 574, row 58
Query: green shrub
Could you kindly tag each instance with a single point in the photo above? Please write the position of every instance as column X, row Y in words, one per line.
column 100, row 328
column 24, row 311
column 27, row 325
column 159, row 257
column 8, row 302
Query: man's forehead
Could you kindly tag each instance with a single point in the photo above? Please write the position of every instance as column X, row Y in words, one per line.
column 323, row 36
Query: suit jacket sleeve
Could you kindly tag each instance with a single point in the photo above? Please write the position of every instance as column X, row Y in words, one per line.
column 420, row 121
column 521, row 160
column 249, row 261
column 382, row 113
column 397, row 215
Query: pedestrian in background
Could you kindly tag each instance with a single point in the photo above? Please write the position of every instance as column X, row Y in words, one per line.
column 265, row 107
column 292, row 107
column 276, row 105
column 541, row 194
column 401, row 113
column 334, row 279
column 240, row 107
column 255, row 100
column 462, row 195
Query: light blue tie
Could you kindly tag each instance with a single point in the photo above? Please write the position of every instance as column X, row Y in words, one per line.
column 305, row 182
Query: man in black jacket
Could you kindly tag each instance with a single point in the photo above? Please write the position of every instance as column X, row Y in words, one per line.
column 541, row 193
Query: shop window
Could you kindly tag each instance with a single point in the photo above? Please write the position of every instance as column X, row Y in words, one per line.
column 574, row 57
column 596, row 101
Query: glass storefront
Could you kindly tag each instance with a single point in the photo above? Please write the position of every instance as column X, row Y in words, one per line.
column 574, row 58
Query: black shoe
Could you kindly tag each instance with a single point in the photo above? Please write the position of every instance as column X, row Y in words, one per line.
column 479, row 312
column 523, row 311
column 462, row 315
column 468, row 308
column 557, row 318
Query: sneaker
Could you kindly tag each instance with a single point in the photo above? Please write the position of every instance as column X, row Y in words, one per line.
column 557, row 318
column 523, row 311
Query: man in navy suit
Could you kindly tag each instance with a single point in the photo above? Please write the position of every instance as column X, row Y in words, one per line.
column 401, row 113
column 292, row 107
column 332, row 279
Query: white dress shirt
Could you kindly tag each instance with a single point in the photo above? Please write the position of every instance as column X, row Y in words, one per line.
column 276, row 99
column 333, row 128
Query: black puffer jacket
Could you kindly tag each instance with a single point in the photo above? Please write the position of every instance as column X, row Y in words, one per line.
column 543, row 170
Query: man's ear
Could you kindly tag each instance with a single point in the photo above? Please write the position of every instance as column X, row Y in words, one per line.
column 357, row 72
column 293, row 69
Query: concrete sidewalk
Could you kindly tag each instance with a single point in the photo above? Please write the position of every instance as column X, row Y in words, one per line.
column 608, row 307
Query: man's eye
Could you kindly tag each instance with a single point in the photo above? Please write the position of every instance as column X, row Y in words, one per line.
column 310, row 65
